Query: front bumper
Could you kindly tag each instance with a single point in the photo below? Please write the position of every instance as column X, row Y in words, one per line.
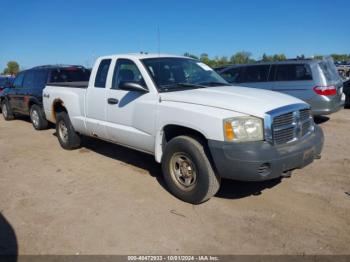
column 258, row 161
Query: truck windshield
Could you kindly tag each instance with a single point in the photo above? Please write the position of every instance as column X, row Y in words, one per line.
column 172, row 74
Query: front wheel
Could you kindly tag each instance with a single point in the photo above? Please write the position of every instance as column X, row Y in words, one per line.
column 66, row 134
column 187, row 170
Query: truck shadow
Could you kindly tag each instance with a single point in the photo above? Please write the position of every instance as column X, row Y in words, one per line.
column 128, row 156
column 229, row 189
column 8, row 241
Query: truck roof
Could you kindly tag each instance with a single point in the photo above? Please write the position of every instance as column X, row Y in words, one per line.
column 141, row 56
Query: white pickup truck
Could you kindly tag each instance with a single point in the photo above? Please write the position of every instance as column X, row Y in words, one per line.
column 199, row 127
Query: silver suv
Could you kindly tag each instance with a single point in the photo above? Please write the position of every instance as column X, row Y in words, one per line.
column 317, row 82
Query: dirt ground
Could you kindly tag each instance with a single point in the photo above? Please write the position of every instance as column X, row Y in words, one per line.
column 105, row 199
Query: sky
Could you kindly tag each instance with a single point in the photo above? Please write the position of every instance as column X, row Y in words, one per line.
column 36, row 32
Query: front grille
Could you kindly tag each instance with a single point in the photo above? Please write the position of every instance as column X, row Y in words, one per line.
column 285, row 119
column 284, row 135
column 291, row 126
column 305, row 114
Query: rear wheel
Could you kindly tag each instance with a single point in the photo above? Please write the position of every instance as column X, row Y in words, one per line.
column 6, row 111
column 66, row 134
column 38, row 118
column 187, row 170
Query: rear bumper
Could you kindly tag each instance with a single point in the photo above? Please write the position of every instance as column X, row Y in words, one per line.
column 327, row 105
column 258, row 161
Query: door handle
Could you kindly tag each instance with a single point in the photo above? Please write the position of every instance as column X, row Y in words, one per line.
column 112, row 101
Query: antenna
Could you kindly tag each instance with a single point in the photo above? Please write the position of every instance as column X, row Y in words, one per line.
column 93, row 57
column 158, row 38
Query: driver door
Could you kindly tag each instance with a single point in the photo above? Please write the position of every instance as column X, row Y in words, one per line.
column 130, row 114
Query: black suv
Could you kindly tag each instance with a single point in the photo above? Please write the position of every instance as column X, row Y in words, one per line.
column 24, row 97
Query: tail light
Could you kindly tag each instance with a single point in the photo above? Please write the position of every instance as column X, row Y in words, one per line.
column 325, row 90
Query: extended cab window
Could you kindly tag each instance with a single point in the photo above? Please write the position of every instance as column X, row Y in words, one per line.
column 18, row 81
column 292, row 72
column 258, row 73
column 126, row 71
column 102, row 73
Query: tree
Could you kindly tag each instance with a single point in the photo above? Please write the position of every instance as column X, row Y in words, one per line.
column 318, row 57
column 190, row 55
column 12, row 68
column 340, row 57
column 222, row 61
column 241, row 58
column 267, row 58
column 204, row 58
column 272, row 58
column 279, row 57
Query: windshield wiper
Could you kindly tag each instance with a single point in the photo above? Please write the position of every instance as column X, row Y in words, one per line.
column 181, row 85
column 213, row 83
column 191, row 85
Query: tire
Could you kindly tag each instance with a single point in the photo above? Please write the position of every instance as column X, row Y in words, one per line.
column 7, row 111
column 188, row 171
column 66, row 134
column 38, row 118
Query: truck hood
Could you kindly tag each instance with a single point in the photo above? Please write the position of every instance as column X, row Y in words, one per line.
column 250, row 101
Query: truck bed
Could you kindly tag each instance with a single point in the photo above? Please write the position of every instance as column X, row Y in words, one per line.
column 70, row 84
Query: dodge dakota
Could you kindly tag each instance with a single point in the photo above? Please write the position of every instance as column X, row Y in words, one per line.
column 199, row 127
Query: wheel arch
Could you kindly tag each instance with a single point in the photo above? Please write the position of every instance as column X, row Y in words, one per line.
column 32, row 102
column 171, row 131
column 57, row 107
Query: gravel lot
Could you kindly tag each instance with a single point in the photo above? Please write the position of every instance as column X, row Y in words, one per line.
column 105, row 199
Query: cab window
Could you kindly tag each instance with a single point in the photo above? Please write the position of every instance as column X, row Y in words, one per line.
column 102, row 72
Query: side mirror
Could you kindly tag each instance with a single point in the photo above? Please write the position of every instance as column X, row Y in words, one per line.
column 132, row 86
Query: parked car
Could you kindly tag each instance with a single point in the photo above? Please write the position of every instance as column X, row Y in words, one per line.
column 5, row 82
column 25, row 95
column 314, row 81
column 182, row 112
column 343, row 69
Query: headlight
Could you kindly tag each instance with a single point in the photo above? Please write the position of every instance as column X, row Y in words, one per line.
column 241, row 129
